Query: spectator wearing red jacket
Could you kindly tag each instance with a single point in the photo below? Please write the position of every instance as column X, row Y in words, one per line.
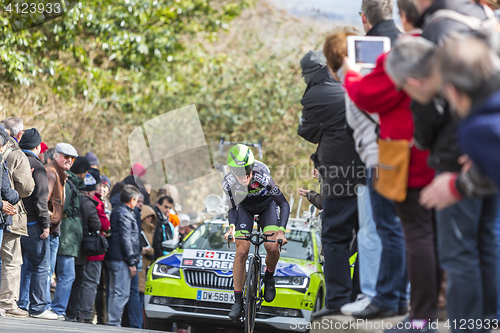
column 376, row 93
column 92, row 272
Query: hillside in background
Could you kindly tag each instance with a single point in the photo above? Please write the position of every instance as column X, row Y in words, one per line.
column 89, row 79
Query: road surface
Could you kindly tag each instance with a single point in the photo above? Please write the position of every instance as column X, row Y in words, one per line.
column 10, row 324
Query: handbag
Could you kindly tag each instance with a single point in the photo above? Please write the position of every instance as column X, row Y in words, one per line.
column 93, row 244
column 391, row 176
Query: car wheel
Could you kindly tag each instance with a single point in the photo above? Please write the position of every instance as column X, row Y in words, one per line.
column 318, row 305
column 158, row 324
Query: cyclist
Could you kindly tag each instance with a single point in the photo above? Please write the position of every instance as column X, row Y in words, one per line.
column 250, row 190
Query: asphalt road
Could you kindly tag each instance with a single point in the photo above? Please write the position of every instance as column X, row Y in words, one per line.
column 10, row 324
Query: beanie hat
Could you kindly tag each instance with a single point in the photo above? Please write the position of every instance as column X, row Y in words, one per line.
column 93, row 160
column 44, row 147
column 106, row 181
column 30, row 139
column 92, row 178
column 138, row 170
column 81, row 165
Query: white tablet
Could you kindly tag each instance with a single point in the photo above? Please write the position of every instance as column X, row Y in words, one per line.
column 366, row 49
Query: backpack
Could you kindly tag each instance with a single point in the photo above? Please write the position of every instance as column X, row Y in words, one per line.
column 487, row 30
column 474, row 23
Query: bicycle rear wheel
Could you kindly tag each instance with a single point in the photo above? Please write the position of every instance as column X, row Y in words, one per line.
column 251, row 295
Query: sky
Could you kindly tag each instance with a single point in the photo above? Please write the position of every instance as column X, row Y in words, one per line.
column 344, row 10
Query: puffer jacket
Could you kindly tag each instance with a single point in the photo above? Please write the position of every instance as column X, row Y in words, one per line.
column 71, row 226
column 22, row 181
column 124, row 243
column 56, row 178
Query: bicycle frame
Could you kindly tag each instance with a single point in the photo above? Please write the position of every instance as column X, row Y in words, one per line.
column 253, row 289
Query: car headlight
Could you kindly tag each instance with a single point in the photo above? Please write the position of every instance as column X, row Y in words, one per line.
column 293, row 282
column 161, row 271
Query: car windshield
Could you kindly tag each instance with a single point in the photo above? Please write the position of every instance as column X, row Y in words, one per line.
column 210, row 236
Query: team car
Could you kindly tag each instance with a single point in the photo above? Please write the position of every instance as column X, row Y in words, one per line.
column 193, row 285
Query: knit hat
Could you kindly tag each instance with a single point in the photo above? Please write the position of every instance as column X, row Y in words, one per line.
column 106, row 181
column 138, row 170
column 30, row 139
column 44, row 147
column 93, row 160
column 92, row 178
column 81, row 165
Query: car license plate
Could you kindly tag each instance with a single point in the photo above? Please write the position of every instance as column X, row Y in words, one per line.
column 215, row 296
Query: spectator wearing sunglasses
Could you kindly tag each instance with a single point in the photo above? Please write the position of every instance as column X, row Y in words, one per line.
column 164, row 228
column 63, row 160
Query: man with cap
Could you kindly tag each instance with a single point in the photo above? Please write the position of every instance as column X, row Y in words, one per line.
column 185, row 227
column 88, row 273
column 64, row 157
column 323, row 122
column 70, row 240
column 35, row 268
column 22, row 181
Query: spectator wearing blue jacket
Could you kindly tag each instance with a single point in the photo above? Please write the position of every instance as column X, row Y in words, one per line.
column 470, row 72
column 123, row 254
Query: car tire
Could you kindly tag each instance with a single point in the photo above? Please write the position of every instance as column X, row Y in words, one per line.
column 158, row 324
column 318, row 304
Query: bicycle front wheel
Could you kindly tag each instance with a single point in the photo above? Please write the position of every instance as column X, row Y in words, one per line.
column 251, row 291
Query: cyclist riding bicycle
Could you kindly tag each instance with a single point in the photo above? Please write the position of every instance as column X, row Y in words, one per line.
column 251, row 191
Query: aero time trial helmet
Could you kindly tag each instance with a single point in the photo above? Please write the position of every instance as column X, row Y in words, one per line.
column 240, row 159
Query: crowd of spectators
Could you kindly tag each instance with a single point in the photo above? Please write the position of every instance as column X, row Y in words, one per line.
column 65, row 229
column 434, row 99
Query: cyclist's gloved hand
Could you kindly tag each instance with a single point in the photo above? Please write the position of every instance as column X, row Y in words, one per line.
column 281, row 235
column 230, row 232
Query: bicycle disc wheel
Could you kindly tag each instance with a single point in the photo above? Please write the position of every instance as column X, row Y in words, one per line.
column 251, row 296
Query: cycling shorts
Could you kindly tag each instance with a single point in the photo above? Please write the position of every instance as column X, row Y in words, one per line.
column 268, row 219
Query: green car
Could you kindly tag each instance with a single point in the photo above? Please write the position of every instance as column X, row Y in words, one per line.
column 193, row 285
